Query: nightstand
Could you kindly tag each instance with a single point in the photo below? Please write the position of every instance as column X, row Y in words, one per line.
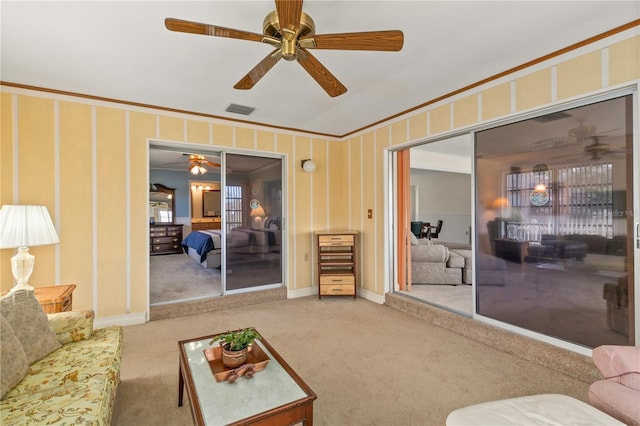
column 56, row 298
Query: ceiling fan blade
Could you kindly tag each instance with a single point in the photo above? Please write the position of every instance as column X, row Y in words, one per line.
column 183, row 26
column 289, row 14
column 209, row 163
column 329, row 83
column 391, row 40
column 171, row 164
column 253, row 76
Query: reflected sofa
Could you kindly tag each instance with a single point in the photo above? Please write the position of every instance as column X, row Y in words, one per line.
column 575, row 246
column 75, row 375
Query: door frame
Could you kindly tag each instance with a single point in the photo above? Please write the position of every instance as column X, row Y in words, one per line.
column 221, row 151
column 390, row 212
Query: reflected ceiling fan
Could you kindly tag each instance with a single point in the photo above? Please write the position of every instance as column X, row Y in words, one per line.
column 292, row 33
column 578, row 134
column 196, row 164
column 595, row 150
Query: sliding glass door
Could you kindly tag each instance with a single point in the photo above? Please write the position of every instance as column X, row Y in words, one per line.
column 554, row 223
column 253, row 222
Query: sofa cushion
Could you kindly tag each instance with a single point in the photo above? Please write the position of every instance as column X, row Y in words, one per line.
column 72, row 326
column 616, row 400
column 455, row 260
column 13, row 361
column 77, row 382
column 620, row 364
column 30, row 324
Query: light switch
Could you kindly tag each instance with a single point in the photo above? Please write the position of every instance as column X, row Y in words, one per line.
column 370, row 213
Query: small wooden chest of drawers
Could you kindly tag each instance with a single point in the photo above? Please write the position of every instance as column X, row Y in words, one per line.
column 336, row 263
column 165, row 239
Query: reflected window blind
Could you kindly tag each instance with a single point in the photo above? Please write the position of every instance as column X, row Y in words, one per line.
column 585, row 200
column 580, row 199
column 233, row 202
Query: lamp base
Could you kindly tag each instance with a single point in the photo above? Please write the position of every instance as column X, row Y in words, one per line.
column 22, row 267
column 20, row 286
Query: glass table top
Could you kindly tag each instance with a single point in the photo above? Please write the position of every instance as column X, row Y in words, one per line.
column 223, row 402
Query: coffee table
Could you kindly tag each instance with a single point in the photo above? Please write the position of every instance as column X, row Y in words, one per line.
column 274, row 396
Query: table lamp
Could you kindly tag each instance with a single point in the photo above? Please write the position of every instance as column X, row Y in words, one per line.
column 22, row 227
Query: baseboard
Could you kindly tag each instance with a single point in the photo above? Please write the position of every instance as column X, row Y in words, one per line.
column 124, row 320
column 302, row 292
column 313, row 291
column 371, row 296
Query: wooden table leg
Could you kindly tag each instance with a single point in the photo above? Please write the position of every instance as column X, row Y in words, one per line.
column 180, row 387
column 308, row 421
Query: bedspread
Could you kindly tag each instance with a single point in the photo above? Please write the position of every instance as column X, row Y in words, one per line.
column 202, row 242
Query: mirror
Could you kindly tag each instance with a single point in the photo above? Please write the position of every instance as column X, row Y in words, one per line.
column 211, row 203
column 162, row 207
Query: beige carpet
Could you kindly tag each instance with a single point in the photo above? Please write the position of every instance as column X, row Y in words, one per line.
column 177, row 277
column 369, row 364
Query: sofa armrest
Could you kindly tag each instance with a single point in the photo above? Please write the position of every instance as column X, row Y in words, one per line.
column 72, row 326
column 619, row 363
column 429, row 253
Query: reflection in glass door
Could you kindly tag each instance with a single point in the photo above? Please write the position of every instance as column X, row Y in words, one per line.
column 554, row 224
column 253, row 222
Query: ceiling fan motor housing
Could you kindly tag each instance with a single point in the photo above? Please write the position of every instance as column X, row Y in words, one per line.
column 271, row 28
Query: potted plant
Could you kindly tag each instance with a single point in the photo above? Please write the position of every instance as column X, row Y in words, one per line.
column 235, row 345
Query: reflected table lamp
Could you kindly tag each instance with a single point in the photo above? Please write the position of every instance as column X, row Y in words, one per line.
column 22, row 227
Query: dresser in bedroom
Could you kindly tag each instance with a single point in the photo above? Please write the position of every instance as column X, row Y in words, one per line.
column 165, row 239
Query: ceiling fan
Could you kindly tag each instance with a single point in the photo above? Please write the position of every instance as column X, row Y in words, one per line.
column 594, row 150
column 292, row 33
column 197, row 164
column 597, row 150
column 578, row 134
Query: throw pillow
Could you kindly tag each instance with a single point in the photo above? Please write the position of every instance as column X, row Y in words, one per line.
column 30, row 324
column 13, row 361
column 414, row 239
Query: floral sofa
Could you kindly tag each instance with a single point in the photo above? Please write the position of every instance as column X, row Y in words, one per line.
column 56, row 369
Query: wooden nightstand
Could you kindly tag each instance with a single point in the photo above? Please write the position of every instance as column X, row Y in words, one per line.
column 56, row 298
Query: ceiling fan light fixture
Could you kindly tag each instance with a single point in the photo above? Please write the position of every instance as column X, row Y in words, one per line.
column 197, row 169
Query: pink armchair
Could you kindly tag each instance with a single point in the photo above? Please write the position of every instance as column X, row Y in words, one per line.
column 619, row 393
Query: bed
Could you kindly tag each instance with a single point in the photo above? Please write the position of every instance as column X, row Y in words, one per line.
column 204, row 247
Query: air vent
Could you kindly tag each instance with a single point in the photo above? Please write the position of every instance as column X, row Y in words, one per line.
column 552, row 117
column 240, row 109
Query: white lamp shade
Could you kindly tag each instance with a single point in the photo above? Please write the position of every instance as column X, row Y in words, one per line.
column 26, row 226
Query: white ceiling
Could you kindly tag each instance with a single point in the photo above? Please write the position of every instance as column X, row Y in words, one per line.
column 121, row 50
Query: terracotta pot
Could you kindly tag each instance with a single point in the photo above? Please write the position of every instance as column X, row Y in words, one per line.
column 233, row 359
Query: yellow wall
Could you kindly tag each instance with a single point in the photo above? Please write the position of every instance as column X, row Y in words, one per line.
column 88, row 161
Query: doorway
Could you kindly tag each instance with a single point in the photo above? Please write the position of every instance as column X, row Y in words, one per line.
column 234, row 208
column 554, row 238
column 441, row 189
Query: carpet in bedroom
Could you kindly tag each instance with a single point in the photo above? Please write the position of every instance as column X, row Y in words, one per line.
column 177, row 277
